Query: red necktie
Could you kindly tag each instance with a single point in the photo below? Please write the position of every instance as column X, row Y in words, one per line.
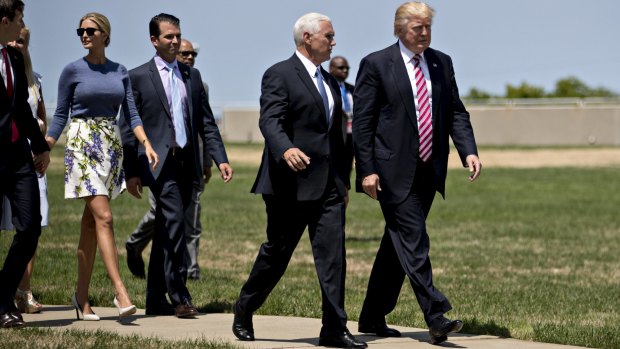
column 425, row 121
column 9, row 92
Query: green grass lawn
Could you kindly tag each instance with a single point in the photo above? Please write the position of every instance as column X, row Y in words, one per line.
column 524, row 253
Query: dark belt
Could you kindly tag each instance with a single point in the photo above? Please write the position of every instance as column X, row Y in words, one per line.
column 175, row 151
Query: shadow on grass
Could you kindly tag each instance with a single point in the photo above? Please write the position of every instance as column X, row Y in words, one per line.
column 377, row 238
column 216, row 307
column 490, row 328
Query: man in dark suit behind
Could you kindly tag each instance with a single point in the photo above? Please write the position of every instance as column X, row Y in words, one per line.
column 339, row 68
column 18, row 179
column 175, row 111
column 302, row 180
column 406, row 105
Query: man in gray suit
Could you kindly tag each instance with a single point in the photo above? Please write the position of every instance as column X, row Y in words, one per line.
column 143, row 234
column 176, row 116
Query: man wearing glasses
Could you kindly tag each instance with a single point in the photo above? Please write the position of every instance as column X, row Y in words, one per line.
column 140, row 238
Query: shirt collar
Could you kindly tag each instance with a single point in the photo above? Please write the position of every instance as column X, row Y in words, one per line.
column 310, row 67
column 162, row 64
column 407, row 53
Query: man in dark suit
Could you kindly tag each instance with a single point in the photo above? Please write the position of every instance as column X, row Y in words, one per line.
column 406, row 105
column 175, row 112
column 339, row 68
column 302, row 180
column 18, row 179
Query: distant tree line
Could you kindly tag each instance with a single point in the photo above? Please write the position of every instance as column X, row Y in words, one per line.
column 564, row 88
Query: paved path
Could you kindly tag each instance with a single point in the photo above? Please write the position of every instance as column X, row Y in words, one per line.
column 271, row 331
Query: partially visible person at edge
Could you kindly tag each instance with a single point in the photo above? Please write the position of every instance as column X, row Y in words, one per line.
column 90, row 91
column 406, row 106
column 176, row 128
column 143, row 234
column 23, row 153
column 339, row 68
column 302, row 180
column 25, row 301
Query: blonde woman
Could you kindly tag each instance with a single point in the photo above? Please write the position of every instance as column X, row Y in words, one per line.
column 90, row 91
column 25, row 301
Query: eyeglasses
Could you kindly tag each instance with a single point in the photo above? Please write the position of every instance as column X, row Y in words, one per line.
column 88, row 31
column 187, row 53
column 343, row 67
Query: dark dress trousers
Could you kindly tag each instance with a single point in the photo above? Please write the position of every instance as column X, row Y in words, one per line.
column 292, row 115
column 386, row 141
column 171, row 182
column 18, row 179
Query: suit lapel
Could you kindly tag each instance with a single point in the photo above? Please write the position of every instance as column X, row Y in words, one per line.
column 432, row 63
column 158, row 85
column 185, row 74
column 403, row 84
column 335, row 90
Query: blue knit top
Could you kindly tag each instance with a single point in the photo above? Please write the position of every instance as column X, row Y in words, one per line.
column 93, row 90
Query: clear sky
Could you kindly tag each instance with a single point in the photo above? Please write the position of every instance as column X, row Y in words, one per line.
column 492, row 42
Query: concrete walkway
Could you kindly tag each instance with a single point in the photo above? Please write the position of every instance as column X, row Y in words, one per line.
column 271, row 331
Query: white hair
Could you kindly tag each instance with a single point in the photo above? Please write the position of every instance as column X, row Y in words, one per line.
column 308, row 23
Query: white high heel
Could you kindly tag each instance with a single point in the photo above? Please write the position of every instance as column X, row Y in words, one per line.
column 78, row 311
column 122, row 312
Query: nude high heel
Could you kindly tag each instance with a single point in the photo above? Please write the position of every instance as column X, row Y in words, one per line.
column 78, row 311
column 122, row 312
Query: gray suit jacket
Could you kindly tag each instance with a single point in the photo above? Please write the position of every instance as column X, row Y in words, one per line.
column 152, row 105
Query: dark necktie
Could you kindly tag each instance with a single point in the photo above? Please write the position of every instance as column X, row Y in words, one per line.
column 319, row 80
column 9, row 92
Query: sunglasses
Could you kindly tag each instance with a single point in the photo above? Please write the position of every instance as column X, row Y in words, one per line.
column 88, row 31
column 187, row 53
column 343, row 67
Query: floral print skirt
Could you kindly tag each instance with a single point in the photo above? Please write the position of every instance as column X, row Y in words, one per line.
column 93, row 158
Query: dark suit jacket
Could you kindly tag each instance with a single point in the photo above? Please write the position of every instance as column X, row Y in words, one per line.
column 385, row 129
column 292, row 115
column 18, row 109
column 152, row 104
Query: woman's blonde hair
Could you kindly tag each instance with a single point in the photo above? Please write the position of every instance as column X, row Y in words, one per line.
column 101, row 21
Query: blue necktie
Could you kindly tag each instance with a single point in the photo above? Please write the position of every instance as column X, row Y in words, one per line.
column 319, row 80
column 346, row 106
column 177, row 110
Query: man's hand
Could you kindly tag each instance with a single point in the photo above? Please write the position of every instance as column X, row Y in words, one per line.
column 371, row 185
column 134, row 186
column 226, row 172
column 296, row 159
column 41, row 161
column 475, row 167
column 206, row 174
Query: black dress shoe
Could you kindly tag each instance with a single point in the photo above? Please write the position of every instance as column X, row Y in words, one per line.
column 381, row 330
column 342, row 340
column 159, row 308
column 242, row 327
column 135, row 262
column 441, row 326
column 185, row 309
column 9, row 320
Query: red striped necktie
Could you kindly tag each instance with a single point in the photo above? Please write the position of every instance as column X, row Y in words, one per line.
column 425, row 120
column 9, row 92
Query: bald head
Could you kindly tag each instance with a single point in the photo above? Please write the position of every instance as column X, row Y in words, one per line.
column 187, row 54
column 339, row 68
